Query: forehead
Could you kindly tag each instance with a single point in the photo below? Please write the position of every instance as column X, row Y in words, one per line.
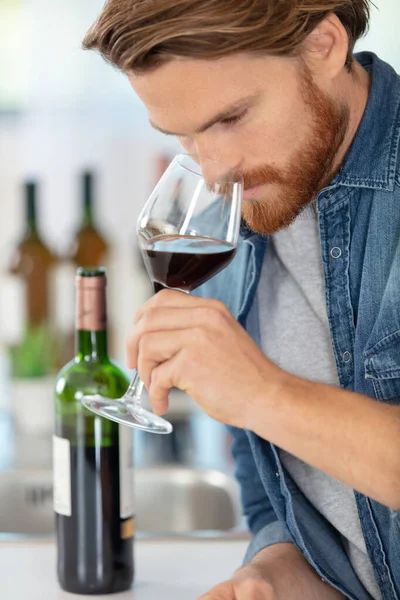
column 195, row 89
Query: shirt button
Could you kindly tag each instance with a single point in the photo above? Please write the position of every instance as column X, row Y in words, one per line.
column 277, row 474
column 336, row 252
column 346, row 357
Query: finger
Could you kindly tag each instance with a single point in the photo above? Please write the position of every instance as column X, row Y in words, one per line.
column 223, row 591
column 254, row 589
column 210, row 316
column 216, row 596
column 176, row 299
column 156, row 348
column 155, row 320
column 171, row 298
column 164, row 377
column 158, row 318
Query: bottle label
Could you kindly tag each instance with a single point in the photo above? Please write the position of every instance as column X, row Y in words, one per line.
column 62, row 476
column 126, row 502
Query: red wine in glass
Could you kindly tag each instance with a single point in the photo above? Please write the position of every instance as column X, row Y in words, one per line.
column 184, row 262
column 188, row 231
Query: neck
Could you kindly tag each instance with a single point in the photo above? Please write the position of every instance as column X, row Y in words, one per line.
column 91, row 345
column 31, row 227
column 87, row 199
column 31, row 220
column 87, row 214
column 355, row 89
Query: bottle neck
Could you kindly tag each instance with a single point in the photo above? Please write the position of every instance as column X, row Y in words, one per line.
column 91, row 345
column 31, row 214
column 88, row 214
column 88, row 200
column 91, row 319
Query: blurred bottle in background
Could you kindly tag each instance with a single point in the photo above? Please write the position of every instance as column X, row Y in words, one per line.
column 143, row 288
column 89, row 247
column 159, row 166
column 33, row 350
column 31, row 262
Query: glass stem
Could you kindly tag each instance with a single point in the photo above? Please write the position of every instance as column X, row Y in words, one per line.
column 134, row 390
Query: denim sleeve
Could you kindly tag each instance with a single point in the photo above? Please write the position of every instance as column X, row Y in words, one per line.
column 260, row 515
column 274, row 533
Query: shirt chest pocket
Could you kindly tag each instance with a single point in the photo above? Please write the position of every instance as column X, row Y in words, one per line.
column 382, row 366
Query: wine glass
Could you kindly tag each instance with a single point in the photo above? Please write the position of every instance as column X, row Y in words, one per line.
column 187, row 232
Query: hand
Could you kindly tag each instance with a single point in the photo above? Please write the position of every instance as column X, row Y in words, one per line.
column 247, row 588
column 196, row 345
column 278, row 572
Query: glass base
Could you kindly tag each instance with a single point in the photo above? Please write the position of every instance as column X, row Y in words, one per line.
column 127, row 413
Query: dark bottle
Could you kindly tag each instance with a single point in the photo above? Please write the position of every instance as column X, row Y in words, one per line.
column 32, row 262
column 92, row 459
column 89, row 247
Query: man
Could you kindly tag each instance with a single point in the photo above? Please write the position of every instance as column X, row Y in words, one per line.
column 296, row 345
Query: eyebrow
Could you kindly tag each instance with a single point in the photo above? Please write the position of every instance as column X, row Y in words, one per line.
column 227, row 112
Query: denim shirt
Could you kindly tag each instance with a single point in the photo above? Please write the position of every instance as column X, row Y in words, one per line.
column 359, row 221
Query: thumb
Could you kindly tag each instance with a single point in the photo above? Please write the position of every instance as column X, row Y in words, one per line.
column 223, row 591
column 253, row 589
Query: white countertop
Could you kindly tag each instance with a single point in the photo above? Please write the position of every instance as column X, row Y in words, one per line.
column 179, row 569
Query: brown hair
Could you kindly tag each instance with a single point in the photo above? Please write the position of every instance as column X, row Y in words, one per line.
column 138, row 35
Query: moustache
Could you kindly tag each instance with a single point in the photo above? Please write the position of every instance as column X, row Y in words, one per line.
column 262, row 176
column 256, row 177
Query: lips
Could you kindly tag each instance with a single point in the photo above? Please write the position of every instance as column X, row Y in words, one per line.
column 251, row 192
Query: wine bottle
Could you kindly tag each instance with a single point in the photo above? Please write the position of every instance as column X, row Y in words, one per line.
column 161, row 164
column 89, row 247
column 92, row 458
column 32, row 263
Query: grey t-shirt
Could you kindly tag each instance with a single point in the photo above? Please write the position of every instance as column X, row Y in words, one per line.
column 295, row 335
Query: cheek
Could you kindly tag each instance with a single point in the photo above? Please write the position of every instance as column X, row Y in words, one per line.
column 274, row 139
column 264, row 143
column 187, row 144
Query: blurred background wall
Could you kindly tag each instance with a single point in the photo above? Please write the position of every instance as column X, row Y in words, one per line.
column 62, row 111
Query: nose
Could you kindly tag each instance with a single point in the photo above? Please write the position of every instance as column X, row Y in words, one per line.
column 216, row 159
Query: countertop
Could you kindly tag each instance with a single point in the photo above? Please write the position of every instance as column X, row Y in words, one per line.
column 166, row 569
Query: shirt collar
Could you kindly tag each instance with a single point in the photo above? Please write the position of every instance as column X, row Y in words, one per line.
column 371, row 161
column 372, row 158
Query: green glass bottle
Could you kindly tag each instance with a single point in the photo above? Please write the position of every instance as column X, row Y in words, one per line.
column 92, row 458
column 32, row 266
column 32, row 262
column 89, row 247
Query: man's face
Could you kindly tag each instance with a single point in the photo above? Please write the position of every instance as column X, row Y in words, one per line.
column 263, row 116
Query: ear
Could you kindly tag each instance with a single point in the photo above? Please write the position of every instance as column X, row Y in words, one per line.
column 325, row 49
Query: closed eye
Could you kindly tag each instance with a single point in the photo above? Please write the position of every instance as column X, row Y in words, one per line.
column 234, row 119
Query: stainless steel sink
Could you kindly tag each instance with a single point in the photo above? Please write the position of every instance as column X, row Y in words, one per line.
column 168, row 500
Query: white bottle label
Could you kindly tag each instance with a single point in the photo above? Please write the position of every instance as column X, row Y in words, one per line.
column 126, row 502
column 62, row 476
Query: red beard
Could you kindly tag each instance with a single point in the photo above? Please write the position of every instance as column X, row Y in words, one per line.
column 311, row 167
